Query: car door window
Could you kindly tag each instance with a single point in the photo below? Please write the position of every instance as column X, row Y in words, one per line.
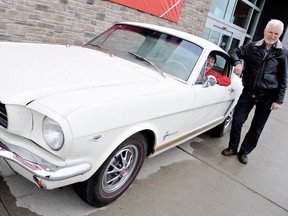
column 222, row 66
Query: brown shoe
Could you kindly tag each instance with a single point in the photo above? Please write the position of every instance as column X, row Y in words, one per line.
column 229, row 152
column 242, row 158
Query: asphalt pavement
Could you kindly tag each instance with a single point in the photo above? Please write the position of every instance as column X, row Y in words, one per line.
column 191, row 179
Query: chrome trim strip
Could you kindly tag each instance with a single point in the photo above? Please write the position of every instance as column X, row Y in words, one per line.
column 41, row 170
column 186, row 137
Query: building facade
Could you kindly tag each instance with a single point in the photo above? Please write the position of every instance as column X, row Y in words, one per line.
column 78, row 21
column 231, row 23
column 228, row 23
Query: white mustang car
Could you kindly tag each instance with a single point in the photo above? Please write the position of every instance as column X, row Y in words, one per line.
column 90, row 115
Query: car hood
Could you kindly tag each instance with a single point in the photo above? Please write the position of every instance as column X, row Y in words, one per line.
column 32, row 71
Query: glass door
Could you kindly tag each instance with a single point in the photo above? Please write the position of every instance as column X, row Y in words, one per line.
column 231, row 23
column 222, row 33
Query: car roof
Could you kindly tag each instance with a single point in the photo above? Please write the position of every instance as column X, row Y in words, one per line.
column 187, row 36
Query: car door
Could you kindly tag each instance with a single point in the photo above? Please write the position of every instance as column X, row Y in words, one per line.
column 212, row 102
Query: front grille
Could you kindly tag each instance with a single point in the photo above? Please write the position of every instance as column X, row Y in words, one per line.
column 3, row 116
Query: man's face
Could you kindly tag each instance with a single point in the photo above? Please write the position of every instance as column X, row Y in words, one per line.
column 272, row 34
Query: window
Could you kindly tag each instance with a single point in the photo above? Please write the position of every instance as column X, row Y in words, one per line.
column 170, row 54
column 222, row 66
column 218, row 8
column 242, row 14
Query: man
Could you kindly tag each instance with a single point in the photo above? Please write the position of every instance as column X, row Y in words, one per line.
column 221, row 80
column 264, row 80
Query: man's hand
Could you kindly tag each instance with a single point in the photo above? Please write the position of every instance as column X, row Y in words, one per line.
column 238, row 69
column 275, row 106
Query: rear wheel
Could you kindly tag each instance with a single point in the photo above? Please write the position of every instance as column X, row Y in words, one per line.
column 116, row 174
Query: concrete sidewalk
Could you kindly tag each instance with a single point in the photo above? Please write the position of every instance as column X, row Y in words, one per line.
column 209, row 184
column 192, row 179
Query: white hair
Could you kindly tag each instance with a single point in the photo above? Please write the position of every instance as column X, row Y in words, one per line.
column 275, row 22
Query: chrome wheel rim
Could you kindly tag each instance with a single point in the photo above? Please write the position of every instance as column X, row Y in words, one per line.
column 228, row 120
column 120, row 168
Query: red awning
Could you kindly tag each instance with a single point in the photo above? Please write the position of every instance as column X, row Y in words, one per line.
column 167, row 9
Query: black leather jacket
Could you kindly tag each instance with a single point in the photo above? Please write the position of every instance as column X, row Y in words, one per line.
column 263, row 72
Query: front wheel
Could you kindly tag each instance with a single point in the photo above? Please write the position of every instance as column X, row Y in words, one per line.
column 116, row 174
column 224, row 127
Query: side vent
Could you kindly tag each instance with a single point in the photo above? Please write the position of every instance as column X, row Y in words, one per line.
column 3, row 116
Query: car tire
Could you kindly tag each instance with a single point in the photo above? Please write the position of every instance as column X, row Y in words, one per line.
column 224, row 127
column 116, row 174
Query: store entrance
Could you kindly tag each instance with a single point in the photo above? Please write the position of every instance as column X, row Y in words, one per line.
column 222, row 34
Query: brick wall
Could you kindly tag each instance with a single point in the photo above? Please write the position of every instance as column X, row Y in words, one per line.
column 78, row 21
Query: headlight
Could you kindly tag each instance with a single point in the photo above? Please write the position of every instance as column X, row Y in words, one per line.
column 52, row 133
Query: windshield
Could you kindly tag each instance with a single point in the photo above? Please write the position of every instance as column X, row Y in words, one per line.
column 166, row 53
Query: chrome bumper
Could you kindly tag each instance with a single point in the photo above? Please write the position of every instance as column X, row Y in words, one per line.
column 45, row 171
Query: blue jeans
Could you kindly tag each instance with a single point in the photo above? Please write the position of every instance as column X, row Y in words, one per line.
column 245, row 104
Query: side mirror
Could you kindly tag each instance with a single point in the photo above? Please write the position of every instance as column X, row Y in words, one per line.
column 209, row 81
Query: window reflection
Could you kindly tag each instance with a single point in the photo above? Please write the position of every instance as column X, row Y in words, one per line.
column 218, row 8
column 224, row 43
column 253, row 24
column 241, row 14
column 252, row 1
column 237, row 12
column 260, row 3
column 230, row 10
column 235, row 43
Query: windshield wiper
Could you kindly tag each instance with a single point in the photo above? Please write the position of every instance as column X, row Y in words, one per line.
column 148, row 61
column 101, row 47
